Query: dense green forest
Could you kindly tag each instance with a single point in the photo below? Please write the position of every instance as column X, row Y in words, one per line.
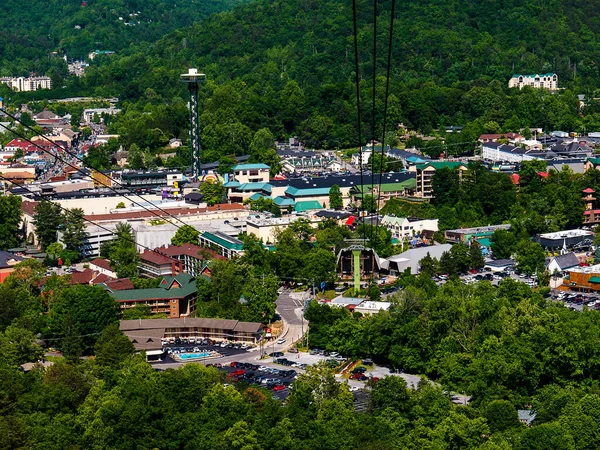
column 36, row 34
column 508, row 347
column 289, row 67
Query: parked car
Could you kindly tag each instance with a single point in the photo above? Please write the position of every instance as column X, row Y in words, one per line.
column 281, row 341
column 293, row 350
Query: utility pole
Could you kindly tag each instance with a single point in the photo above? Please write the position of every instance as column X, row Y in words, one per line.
column 193, row 79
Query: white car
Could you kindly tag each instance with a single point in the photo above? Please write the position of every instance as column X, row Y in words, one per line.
column 281, row 341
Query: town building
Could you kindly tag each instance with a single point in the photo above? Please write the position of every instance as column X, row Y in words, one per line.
column 582, row 279
column 407, row 227
column 153, row 264
column 568, row 239
column 175, row 296
column 8, row 261
column 185, row 327
column 147, row 180
column 424, row 173
column 467, row 235
column 411, row 259
column 562, row 263
column 499, row 265
column 193, row 258
column 510, row 137
column 497, row 152
column 537, row 81
column 27, row 84
column 102, row 266
column 266, row 229
column 88, row 114
column 591, row 216
column 222, row 244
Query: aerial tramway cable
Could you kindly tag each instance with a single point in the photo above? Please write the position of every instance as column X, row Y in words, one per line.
column 91, row 167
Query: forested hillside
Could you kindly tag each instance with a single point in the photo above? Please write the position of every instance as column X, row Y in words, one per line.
column 33, row 29
column 289, row 66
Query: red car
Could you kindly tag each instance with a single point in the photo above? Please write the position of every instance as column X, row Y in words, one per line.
column 375, row 379
column 234, row 364
column 278, row 387
column 356, row 376
column 238, row 372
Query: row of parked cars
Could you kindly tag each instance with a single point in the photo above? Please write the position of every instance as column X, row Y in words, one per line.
column 287, row 362
column 592, row 301
column 271, row 378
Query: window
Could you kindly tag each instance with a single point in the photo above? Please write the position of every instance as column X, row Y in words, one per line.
column 253, row 172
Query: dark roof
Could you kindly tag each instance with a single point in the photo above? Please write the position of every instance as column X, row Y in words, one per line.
column 122, row 284
column 340, row 180
column 189, row 250
column 129, row 327
column 567, row 260
column 500, row 263
column 333, row 214
column 102, row 263
column 7, row 257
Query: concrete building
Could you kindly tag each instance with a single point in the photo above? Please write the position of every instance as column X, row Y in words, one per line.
column 27, row 84
column 567, row 239
column 175, row 296
column 222, row 244
column 251, row 173
column 425, row 172
column 467, row 235
column 407, row 227
column 411, row 259
column 215, row 329
column 88, row 114
column 537, row 81
column 266, row 229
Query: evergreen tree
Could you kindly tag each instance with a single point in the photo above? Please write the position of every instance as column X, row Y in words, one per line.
column 186, row 234
column 122, row 252
column 74, row 233
column 47, row 220
column 335, row 197
column 476, row 259
column 10, row 219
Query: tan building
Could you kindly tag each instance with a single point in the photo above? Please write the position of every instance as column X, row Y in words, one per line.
column 426, row 171
column 266, row 229
column 582, row 279
column 537, row 81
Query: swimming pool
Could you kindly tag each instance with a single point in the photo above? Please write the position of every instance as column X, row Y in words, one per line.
column 192, row 355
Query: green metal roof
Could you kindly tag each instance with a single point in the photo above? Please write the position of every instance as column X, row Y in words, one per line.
column 165, row 291
column 390, row 187
column 291, row 190
column 485, row 242
column 256, row 196
column 440, row 165
column 232, row 184
column 255, row 187
column 228, row 242
column 307, row 205
column 594, row 280
column 250, row 166
column 284, row 201
column 593, row 160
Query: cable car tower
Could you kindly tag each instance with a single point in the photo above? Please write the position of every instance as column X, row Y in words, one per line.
column 193, row 79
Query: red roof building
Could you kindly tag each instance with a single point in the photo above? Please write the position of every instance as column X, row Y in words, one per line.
column 193, row 257
column 154, row 264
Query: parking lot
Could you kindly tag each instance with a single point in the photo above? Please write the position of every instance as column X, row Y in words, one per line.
column 576, row 301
